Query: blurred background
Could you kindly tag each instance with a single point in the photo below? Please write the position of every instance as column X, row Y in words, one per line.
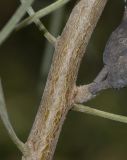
column 25, row 59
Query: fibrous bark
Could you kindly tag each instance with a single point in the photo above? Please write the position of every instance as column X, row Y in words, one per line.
column 60, row 91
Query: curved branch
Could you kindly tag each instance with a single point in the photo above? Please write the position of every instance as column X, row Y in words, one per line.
column 4, row 117
column 9, row 27
column 58, row 94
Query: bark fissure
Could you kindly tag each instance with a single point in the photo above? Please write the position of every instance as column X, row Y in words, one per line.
column 58, row 96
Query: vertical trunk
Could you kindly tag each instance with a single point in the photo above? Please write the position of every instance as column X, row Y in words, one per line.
column 59, row 91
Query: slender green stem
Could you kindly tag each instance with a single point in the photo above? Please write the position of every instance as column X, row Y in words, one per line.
column 41, row 13
column 96, row 112
column 47, row 34
column 41, row 27
column 4, row 117
column 9, row 27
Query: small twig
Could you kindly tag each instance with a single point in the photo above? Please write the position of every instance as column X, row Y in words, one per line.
column 54, row 27
column 41, row 27
column 6, row 31
column 96, row 112
column 41, row 13
column 87, row 92
column 4, row 117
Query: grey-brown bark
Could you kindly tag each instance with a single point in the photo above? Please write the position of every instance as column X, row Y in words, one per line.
column 60, row 91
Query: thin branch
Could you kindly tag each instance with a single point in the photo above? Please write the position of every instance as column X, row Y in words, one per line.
column 55, row 28
column 9, row 27
column 41, row 13
column 96, row 112
column 41, row 27
column 4, row 117
column 83, row 94
column 87, row 92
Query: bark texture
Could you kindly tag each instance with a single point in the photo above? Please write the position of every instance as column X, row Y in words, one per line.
column 60, row 91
